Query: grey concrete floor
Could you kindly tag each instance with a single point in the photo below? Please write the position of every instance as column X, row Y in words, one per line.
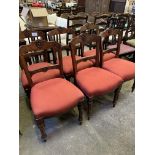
column 110, row 131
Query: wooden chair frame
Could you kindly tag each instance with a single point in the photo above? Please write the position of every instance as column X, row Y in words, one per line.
column 75, row 18
column 87, row 39
column 31, row 35
column 55, row 35
column 90, row 28
column 106, row 35
column 102, row 20
column 40, row 47
column 105, row 41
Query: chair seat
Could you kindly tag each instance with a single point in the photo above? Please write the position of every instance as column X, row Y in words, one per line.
column 124, row 49
column 96, row 81
column 68, row 67
column 53, row 97
column 106, row 56
column 41, row 76
column 123, row 68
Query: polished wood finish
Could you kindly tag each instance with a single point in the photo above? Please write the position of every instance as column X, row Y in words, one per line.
column 102, row 21
column 40, row 48
column 66, row 15
column 84, row 39
column 111, row 37
column 90, row 28
column 63, row 9
column 41, row 125
column 80, row 107
column 116, row 95
column 56, row 35
column 44, row 29
column 76, row 21
column 117, row 33
column 117, row 22
column 31, row 35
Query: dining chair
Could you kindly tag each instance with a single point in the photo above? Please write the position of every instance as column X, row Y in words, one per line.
column 93, row 81
column 63, row 9
column 66, row 15
column 126, row 17
column 123, row 68
column 125, row 50
column 76, row 21
column 59, row 35
column 90, row 28
column 77, row 9
column 53, row 96
column 129, row 37
column 129, row 40
column 102, row 20
column 31, row 35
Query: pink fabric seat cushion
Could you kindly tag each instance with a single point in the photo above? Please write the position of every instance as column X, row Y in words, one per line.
column 68, row 66
column 123, row 68
column 123, row 48
column 106, row 56
column 96, row 81
column 40, row 76
column 53, row 97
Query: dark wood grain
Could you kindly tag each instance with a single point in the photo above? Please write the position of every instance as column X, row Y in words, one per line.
column 39, row 48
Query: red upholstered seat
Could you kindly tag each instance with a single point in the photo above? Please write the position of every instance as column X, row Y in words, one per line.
column 96, row 81
column 106, row 57
column 68, row 67
column 41, row 76
column 123, row 48
column 123, row 68
column 53, row 97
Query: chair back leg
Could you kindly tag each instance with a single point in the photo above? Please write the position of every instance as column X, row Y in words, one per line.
column 80, row 108
column 116, row 95
column 89, row 104
column 41, row 126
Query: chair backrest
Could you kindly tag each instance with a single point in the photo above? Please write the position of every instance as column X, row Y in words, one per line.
column 129, row 33
column 31, row 35
column 66, row 15
column 82, row 14
column 127, row 18
column 78, row 9
column 102, row 20
column 64, row 9
column 39, row 48
column 76, row 21
column 131, row 21
column 90, row 28
column 117, row 22
column 108, row 34
column 56, row 34
column 84, row 39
